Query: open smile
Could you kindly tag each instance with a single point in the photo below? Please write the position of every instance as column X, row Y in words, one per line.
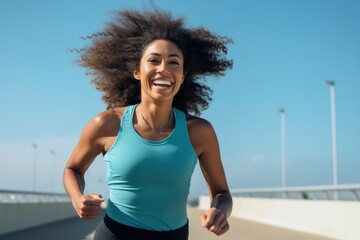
column 162, row 84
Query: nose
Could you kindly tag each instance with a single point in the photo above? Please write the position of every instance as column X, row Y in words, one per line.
column 162, row 68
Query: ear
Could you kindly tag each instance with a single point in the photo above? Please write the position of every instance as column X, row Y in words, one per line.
column 136, row 74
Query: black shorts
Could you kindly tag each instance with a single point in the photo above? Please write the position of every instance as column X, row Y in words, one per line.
column 109, row 229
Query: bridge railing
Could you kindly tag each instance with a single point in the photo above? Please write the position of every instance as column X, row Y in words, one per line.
column 348, row 192
column 7, row 196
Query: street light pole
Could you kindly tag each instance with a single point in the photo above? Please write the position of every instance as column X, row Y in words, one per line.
column 283, row 147
column 52, row 152
column 34, row 167
column 331, row 84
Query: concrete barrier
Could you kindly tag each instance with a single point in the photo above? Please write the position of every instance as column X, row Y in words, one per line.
column 19, row 216
column 334, row 219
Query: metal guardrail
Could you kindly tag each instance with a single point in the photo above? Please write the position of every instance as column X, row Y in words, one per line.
column 31, row 197
column 348, row 192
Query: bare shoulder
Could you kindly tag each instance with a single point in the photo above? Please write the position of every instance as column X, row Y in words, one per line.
column 108, row 118
column 197, row 124
column 105, row 123
column 201, row 132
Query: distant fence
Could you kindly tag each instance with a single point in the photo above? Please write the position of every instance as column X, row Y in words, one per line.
column 20, row 210
column 7, row 196
column 348, row 192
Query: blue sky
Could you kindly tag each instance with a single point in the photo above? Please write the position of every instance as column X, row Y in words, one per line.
column 284, row 51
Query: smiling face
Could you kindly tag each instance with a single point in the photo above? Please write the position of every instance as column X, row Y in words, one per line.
column 161, row 70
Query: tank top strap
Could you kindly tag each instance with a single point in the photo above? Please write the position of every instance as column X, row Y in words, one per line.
column 126, row 120
column 180, row 124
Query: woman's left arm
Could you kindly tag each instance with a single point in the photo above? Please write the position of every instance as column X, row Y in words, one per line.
column 215, row 218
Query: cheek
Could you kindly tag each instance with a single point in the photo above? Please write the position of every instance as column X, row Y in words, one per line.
column 145, row 68
column 178, row 72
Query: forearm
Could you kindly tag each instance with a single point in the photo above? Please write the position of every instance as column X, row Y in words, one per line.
column 74, row 183
column 86, row 206
column 223, row 202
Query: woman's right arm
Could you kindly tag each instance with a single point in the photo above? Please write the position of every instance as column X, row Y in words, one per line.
column 92, row 143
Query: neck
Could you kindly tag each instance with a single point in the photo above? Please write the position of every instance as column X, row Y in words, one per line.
column 156, row 118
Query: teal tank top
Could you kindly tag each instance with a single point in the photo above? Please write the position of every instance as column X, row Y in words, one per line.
column 149, row 181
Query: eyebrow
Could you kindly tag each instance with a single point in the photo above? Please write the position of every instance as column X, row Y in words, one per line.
column 170, row 55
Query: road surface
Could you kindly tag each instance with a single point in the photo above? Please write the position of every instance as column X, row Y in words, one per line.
column 77, row 229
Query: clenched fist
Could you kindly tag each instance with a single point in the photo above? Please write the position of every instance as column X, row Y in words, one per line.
column 215, row 221
column 88, row 206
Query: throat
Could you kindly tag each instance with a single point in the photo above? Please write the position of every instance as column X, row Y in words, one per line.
column 162, row 129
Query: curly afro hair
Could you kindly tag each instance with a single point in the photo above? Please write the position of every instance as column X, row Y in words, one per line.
column 116, row 52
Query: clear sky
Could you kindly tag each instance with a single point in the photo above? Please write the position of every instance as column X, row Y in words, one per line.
column 284, row 51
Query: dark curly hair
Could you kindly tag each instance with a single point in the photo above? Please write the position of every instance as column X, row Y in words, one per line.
column 116, row 52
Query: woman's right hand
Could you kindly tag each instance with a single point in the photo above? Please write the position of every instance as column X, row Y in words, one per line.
column 88, row 206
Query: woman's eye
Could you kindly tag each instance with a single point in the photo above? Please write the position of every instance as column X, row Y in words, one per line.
column 153, row 60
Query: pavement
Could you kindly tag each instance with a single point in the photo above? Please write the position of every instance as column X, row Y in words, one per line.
column 77, row 229
column 245, row 230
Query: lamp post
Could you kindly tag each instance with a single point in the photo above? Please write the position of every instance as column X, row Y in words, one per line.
column 34, row 145
column 331, row 84
column 52, row 152
column 283, row 147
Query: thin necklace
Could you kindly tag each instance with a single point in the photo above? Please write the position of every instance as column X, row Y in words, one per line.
column 154, row 129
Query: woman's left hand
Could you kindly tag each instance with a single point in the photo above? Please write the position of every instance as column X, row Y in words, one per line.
column 215, row 221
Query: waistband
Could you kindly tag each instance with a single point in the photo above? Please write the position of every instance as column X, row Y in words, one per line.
column 124, row 232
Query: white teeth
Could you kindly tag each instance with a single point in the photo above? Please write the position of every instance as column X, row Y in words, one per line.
column 162, row 82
